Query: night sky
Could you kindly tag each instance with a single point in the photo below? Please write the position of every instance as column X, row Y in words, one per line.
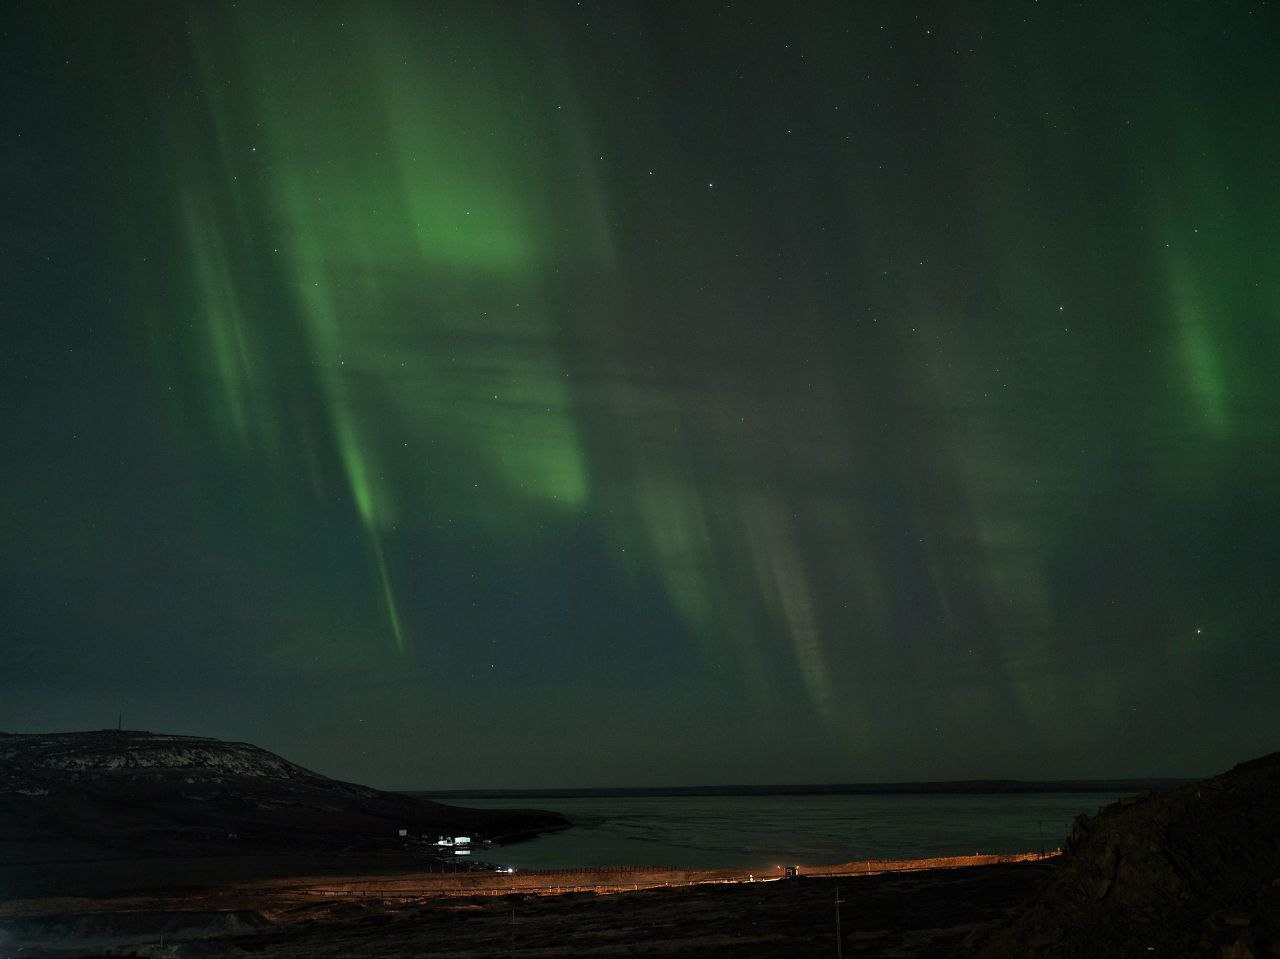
column 632, row 393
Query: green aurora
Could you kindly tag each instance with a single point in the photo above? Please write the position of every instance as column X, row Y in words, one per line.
column 505, row 394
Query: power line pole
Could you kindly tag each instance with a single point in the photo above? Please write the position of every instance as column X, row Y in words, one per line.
column 839, row 939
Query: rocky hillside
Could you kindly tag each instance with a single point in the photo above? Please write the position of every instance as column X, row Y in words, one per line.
column 114, row 794
column 1193, row 871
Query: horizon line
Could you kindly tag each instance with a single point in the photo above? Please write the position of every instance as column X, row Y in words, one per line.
column 1112, row 784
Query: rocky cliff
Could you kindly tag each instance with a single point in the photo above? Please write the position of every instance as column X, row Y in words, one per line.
column 1192, row 871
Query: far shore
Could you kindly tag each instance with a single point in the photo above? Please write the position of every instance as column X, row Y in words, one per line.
column 598, row 880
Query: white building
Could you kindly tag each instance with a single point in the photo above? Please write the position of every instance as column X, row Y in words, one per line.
column 454, row 841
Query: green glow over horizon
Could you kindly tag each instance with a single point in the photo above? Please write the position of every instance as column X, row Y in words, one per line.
column 819, row 384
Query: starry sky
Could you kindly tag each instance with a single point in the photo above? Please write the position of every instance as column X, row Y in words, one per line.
column 608, row 393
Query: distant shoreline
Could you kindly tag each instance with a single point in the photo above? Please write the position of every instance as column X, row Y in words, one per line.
column 963, row 787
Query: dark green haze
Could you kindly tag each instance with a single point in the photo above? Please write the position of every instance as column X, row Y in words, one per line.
column 547, row 394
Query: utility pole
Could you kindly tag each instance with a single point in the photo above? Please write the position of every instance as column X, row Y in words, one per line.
column 839, row 939
column 512, row 949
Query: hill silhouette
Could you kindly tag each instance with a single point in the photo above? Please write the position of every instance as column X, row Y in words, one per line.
column 128, row 794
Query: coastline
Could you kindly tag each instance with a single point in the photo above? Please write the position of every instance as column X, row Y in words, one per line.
column 583, row 912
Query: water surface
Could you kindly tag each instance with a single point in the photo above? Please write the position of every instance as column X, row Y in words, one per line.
column 761, row 832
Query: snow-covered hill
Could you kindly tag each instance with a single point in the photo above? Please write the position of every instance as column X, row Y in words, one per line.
column 110, row 751
column 30, row 765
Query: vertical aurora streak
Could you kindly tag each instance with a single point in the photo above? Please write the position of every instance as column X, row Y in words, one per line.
column 409, row 227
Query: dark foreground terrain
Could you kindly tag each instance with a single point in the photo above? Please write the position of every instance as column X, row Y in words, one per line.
column 1192, row 871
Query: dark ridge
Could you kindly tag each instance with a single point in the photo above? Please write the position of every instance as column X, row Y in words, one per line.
column 126, row 794
column 1194, row 871
column 968, row 786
